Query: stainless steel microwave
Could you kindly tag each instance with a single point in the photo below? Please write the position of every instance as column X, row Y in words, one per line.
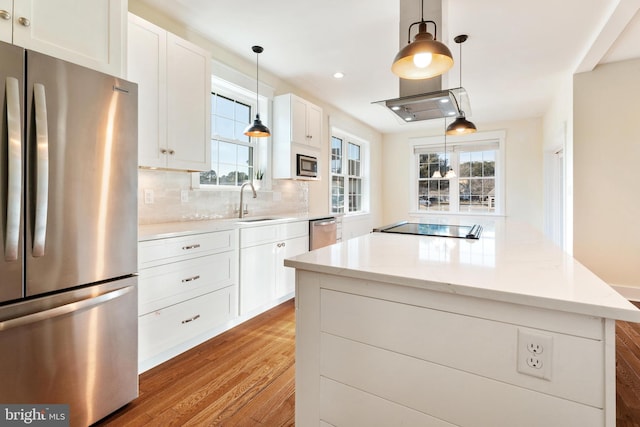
column 307, row 166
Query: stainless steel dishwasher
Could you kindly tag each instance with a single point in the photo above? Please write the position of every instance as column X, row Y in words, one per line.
column 322, row 232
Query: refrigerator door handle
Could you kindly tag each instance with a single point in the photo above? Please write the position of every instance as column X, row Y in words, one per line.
column 42, row 170
column 63, row 309
column 14, row 169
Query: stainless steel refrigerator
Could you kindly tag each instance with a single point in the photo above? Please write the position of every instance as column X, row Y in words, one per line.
column 68, row 236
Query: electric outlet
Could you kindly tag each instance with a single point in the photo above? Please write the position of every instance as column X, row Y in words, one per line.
column 148, row 196
column 184, row 196
column 535, row 351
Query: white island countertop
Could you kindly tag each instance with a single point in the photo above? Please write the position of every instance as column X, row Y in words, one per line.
column 511, row 262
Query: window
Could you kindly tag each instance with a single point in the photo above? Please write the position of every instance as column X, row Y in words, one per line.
column 476, row 186
column 349, row 193
column 231, row 150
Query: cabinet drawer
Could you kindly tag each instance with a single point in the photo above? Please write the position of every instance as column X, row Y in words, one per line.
column 172, row 283
column 162, row 329
column 273, row 233
column 161, row 251
column 295, row 229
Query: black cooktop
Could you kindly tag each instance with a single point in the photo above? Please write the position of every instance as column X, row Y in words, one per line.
column 442, row 230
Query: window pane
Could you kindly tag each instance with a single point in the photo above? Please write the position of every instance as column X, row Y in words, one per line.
column 243, row 113
column 336, row 155
column 224, row 107
column 223, row 127
column 355, row 194
column 337, row 194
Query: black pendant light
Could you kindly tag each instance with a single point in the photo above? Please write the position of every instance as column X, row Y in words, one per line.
column 461, row 126
column 424, row 58
column 257, row 129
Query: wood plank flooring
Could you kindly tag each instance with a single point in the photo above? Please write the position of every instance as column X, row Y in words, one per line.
column 245, row 377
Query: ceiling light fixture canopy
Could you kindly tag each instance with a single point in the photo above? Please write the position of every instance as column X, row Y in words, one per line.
column 425, row 57
column 257, row 129
column 461, row 126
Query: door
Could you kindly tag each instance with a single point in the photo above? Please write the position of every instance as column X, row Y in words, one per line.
column 11, row 167
column 81, row 224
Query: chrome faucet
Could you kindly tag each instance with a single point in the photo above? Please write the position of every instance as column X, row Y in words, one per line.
column 245, row 211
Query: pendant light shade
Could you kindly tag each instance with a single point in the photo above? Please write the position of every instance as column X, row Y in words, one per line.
column 257, row 129
column 461, row 126
column 423, row 58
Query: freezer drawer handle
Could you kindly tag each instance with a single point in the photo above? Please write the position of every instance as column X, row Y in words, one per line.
column 190, row 279
column 14, row 169
column 64, row 309
column 196, row 246
column 42, row 171
column 196, row 317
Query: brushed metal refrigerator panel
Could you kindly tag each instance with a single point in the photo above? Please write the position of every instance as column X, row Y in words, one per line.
column 81, row 176
column 11, row 207
column 77, row 348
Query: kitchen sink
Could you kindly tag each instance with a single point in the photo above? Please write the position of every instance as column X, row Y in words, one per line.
column 259, row 219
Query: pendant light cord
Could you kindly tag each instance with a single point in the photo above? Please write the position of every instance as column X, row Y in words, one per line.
column 257, row 83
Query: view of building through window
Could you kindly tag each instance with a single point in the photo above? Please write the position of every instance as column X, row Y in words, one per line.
column 472, row 189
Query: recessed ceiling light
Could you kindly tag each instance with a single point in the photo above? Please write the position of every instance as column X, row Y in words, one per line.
column 444, row 100
column 395, row 108
column 408, row 119
column 338, row 75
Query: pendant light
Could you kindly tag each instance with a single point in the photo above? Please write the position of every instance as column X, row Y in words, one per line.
column 257, row 129
column 425, row 57
column 461, row 126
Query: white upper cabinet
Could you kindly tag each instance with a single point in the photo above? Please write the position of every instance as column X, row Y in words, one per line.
column 297, row 130
column 297, row 121
column 174, row 98
column 89, row 33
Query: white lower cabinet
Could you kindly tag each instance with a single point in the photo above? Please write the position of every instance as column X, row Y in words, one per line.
column 264, row 280
column 187, row 293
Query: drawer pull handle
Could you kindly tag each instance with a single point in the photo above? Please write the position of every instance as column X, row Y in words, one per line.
column 282, row 245
column 190, row 279
column 196, row 246
column 196, row 317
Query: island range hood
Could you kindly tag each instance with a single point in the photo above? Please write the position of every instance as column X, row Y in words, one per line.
column 424, row 99
column 431, row 105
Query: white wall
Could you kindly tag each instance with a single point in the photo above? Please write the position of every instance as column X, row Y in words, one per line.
column 318, row 192
column 523, row 172
column 606, row 171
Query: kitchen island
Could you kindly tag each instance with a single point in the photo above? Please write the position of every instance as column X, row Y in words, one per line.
column 409, row 330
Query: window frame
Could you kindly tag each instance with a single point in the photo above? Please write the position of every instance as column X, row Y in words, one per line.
column 364, row 147
column 235, row 85
column 472, row 140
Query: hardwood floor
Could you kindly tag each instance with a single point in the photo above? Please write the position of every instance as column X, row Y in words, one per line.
column 245, row 377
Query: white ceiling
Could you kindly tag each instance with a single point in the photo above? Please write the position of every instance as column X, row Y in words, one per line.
column 516, row 54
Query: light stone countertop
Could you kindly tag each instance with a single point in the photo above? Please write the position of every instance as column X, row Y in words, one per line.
column 511, row 262
column 185, row 228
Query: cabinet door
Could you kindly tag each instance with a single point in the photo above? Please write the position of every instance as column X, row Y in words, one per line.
column 314, row 125
column 189, row 105
column 298, row 120
column 286, row 276
column 146, row 66
column 257, row 276
column 89, row 33
column 6, row 21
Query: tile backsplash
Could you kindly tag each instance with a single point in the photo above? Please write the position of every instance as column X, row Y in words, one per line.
column 174, row 200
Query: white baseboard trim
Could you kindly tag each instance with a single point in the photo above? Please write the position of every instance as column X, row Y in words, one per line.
column 631, row 293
